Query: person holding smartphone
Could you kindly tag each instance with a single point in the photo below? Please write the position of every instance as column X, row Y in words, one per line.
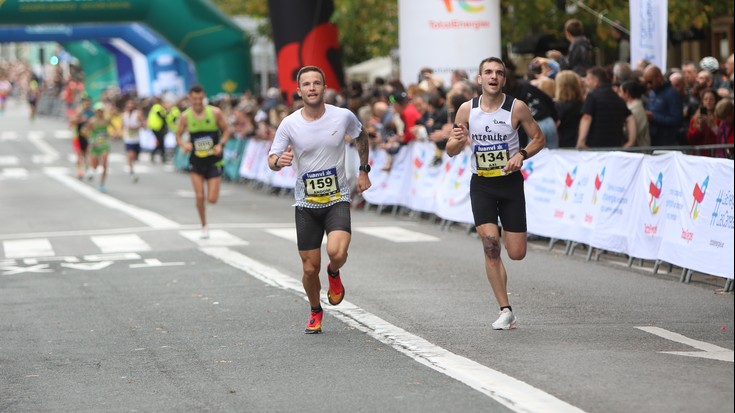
column 703, row 125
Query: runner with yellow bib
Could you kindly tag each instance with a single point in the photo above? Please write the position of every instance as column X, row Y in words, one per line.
column 208, row 133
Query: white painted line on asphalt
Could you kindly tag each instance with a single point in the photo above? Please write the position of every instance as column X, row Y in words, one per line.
column 508, row 391
column 217, row 238
column 40, row 247
column 147, row 217
column 14, row 173
column 63, row 134
column 7, row 135
column 120, row 243
column 289, row 234
column 9, row 160
column 397, row 234
column 709, row 351
column 36, row 138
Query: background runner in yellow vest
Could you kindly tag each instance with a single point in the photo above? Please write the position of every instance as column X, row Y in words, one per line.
column 208, row 132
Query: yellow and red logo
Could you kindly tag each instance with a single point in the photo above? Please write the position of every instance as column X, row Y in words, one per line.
column 471, row 6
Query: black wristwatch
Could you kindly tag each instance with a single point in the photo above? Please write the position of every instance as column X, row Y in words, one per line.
column 365, row 168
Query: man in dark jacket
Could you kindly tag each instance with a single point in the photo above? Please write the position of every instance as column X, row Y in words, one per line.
column 664, row 108
column 579, row 57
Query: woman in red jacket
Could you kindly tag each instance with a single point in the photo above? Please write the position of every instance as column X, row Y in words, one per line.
column 703, row 125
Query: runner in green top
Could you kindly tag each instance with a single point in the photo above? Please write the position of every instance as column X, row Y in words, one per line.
column 208, row 132
column 99, row 141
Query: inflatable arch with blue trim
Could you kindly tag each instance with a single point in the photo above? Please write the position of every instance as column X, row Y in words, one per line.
column 218, row 48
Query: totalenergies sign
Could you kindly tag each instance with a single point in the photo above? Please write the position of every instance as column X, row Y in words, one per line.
column 471, row 6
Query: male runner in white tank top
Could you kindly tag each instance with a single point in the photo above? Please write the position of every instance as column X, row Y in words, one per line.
column 313, row 140
column 489, row 124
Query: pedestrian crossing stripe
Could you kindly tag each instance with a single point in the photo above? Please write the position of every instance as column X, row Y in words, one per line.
column 24, row 248
column 8, row 135
column 126, row 246
column 397, row 234
column 120, row 243
column 217, row 237
column 14, row 173
column 9, row 160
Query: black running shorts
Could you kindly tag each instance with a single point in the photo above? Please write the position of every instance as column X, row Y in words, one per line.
column 207, row 171
column 501, row 196
column 313, row 223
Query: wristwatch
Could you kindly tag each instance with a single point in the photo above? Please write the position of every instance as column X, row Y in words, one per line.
column 365, row 168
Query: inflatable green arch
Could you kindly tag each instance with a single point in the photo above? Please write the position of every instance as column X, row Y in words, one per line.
column 219, row 49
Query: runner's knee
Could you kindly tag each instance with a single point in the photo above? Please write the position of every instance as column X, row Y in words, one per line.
column 491, row 246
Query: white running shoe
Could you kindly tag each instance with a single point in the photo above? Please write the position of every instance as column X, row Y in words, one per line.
column 205, row 233
column 506, row 321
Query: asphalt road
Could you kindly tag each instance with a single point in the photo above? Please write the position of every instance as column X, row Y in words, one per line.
column 110, row 302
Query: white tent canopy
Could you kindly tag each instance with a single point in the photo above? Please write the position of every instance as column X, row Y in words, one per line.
column 368, row 70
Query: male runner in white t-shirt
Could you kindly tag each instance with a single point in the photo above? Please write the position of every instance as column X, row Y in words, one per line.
column 313, row 140
column 489, row 124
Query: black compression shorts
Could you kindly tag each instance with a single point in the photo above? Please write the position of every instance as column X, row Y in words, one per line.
column 313, row 223
column 502, row 197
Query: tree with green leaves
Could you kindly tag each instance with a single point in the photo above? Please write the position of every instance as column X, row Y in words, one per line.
column 369, row 28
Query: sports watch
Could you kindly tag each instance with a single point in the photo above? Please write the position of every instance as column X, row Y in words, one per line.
column 365, row 168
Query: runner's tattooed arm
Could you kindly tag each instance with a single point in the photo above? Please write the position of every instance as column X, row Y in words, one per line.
column 363, row 149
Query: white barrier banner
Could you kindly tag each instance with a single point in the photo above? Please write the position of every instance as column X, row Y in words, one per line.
column 544, row 187
column 392, row 191
column 424, row 178
column 674, row 207
column 453, row 189
column 699, row 223
column 613, row 193
column 653, row 188
column 249, row 158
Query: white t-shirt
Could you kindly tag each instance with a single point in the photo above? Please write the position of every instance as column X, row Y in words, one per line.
column 319, row 154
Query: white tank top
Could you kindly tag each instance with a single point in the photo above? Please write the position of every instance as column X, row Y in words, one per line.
column 494, row 140
column 131, row 127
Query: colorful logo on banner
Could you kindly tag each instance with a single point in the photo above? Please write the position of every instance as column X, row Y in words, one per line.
column 568, row 182
column 654, row 189
column 599, row 179
column 527, row 170
column 466, row 5
column 698, row 195
column 460, row 172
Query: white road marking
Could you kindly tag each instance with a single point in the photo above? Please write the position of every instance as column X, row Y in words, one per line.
column 40, row 247
column 289, row 234
column 709, row 351
column 120, row 243
column 153, row 262
column 63, row 134
column 7, row 135
column 14, row 173
column 88, row 266
column 36, row 138
column 147, row 217
column 217, row 238
column 9, row 160
column 508, row 391
column 397, row 234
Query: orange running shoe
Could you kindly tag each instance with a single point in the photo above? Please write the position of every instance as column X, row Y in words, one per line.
column 314, row 326
column 336, row 291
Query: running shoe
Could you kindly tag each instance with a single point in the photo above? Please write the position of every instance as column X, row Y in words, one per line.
column 134, row 178
column 506, row 321
column 103, row 189
column 336, row 291
column 205, row 233
column 314, row 326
